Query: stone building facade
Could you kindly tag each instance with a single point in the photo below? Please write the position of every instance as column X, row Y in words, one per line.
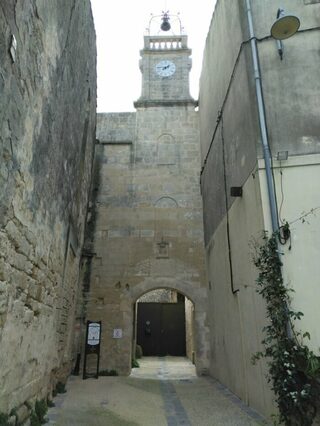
column 232, row 157
column 47, row 121
column 146, row 218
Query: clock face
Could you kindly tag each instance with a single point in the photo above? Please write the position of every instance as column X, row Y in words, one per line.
column 165, row 68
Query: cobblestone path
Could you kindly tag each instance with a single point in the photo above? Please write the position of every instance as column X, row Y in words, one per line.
column 163, row 392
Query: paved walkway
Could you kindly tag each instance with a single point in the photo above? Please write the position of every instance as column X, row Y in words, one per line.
column 162, row 392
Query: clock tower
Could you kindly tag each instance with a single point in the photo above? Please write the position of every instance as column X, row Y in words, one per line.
column 147, row 208
column 165, row 65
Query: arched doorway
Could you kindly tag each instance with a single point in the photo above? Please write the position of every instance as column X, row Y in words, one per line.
column 197, row 296
column 164, row 324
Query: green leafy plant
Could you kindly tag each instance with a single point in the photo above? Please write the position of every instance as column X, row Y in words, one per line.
column 134, row 363
column 294, row 370
column 60, row 388
column 4, row 419
column 13, row 412
column 34, row 419
column 41, row 409
column 50, row 403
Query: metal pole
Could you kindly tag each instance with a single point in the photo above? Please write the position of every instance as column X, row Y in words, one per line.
column 262, row 121
column 264, row 134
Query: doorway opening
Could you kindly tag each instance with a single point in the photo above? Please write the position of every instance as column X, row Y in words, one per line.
column 164, row 325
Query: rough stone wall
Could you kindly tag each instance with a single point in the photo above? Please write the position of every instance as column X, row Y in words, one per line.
column 148, row 224
column 47, row 119
column 189, row 310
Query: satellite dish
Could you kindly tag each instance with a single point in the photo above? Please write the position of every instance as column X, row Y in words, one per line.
column 285, row 26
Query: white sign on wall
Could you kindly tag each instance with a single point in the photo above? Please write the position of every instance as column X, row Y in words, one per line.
column 93, row 334
column 117, row 333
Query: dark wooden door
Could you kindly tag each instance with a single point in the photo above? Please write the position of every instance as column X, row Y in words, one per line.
column 161, row 329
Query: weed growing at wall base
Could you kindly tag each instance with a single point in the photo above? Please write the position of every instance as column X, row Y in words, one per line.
column 135, row 363
column 41, row 409
column 37, row 417
column 294, row 370
column 60, row 388
column 4, row 419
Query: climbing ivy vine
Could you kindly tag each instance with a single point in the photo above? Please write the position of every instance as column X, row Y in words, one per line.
column 294, row 370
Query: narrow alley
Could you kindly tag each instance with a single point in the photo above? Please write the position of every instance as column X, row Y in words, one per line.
column 175, row 225
column 163, row 391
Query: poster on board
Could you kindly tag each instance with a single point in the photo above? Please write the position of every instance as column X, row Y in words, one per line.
column 92, row 346
column 94, row 329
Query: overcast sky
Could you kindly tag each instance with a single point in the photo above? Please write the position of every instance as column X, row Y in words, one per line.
column 120, row 26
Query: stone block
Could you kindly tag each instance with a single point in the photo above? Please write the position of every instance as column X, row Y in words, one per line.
column 12, row 421
column 118, row 233
column 3, row 297
column 19, row 240
column 28, row 315
column 22, row 414
column 147, row 233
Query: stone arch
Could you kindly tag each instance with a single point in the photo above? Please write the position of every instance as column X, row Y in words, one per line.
column 166, row 202
column 164, row 288
column 199, row 298
column 196, row 295
column 166, row 137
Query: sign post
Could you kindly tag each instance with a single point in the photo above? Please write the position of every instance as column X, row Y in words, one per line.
column 92, row 345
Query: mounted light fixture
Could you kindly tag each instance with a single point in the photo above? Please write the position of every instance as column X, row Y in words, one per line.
column 284, row 27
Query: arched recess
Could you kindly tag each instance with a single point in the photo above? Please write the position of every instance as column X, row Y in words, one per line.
column 166, row 202
column 197, row 295
column 167, row 150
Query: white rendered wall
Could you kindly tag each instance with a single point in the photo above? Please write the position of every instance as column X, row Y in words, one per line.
column 301, row 264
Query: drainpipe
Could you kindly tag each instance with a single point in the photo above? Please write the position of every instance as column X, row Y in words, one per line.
column 262, row 121
column 264, row 134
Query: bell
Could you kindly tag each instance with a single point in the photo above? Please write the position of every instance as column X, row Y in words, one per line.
column 165, row 26
column 285, row 26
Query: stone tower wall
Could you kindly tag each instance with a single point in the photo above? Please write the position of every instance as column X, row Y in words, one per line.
column 148, row 224
column 47, row 120
column 175, row 88
column 155, row 87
